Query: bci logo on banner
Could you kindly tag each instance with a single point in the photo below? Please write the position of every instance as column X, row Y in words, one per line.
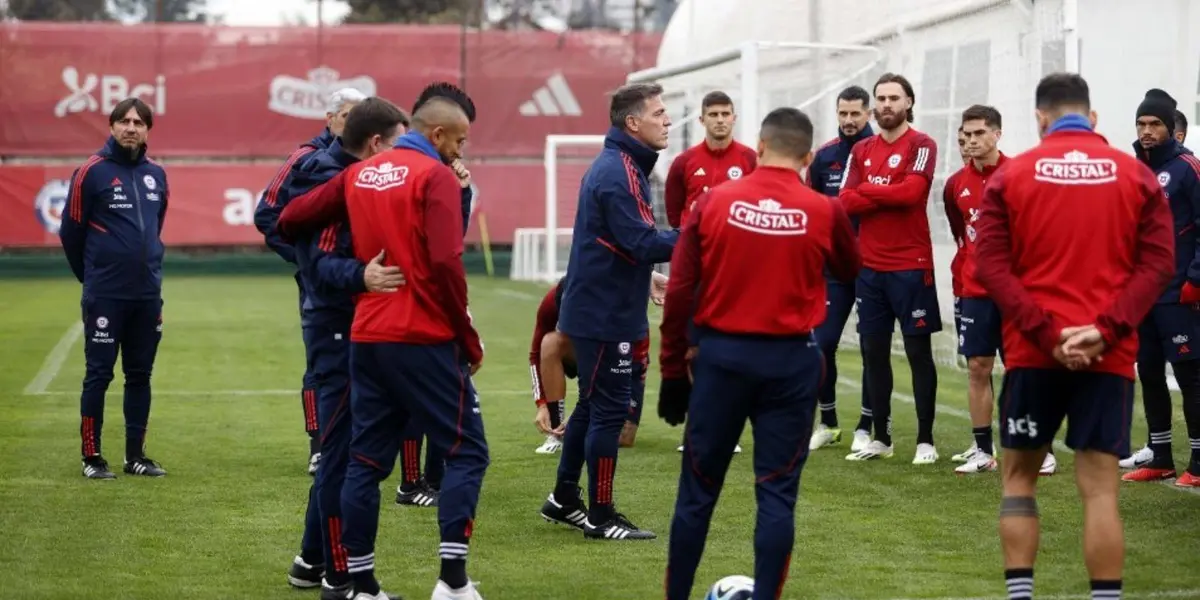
column 112, row 88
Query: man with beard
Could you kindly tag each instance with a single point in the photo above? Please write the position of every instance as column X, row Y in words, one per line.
column 825, row 176
column 717, row 159
column 886, row 185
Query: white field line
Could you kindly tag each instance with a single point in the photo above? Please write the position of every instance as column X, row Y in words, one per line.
column 55, row 359
column 962, row 414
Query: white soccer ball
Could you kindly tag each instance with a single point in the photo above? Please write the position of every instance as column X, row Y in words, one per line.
column 734, row 587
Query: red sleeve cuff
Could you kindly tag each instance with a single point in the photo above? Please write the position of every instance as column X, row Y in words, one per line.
column 1048, row 336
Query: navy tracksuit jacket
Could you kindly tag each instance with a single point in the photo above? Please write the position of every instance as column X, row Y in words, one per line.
column 111, row 234
column 1169, row 333
column 613, row 252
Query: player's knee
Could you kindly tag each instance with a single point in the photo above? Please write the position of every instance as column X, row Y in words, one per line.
column 1096, row 476
column 979, row 369
column 137, row 377
column 97, row 378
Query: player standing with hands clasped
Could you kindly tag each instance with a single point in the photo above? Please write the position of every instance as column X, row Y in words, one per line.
column 1075, row 245
column 886, row 186
column 754, row 355
column 112, row 236
column 607, row 288
column 1171, row 331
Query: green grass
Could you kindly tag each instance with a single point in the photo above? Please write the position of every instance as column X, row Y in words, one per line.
column 227, row 520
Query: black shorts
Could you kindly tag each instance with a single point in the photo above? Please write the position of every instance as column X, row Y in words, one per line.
column 1098, row 408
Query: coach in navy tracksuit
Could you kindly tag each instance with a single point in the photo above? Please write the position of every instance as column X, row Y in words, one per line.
column 1170, row 333
column 332, row 277
column 112, row 235
column 614, row 248
column 751, row 351
column 266, row 214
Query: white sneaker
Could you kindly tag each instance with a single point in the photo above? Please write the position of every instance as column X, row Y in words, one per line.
column 1049, row 465
column 382, row 595
column 443, row 592
column 1138, row 459
column 874, row 450
column 313, row 462
column 552, row 444
column 680, row 448
column 737, row 449
column 964, row 457
column 824, row 436
column 979, row 463
column 926, row 455
column 861, row 439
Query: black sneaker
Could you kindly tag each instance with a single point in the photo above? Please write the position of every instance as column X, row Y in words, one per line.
column 571, row 514
column 95, row 467
column 346, row 592
column 417, row 494
column 304, row 576
column 617, row 528
column 144, row 466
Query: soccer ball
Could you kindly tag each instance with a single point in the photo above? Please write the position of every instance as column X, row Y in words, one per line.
column 734, row 587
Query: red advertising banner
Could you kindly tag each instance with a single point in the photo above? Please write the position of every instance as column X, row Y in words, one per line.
column 213, row 205
column 242, row 92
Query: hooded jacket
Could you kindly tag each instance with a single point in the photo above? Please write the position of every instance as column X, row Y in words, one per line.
column 1178, row 172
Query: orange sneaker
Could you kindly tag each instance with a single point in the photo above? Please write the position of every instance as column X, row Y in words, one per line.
column 1188, row 480
column 1148, row 474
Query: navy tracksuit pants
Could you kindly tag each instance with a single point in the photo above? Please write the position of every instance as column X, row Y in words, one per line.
column 328, row 344
column 606, row 392
column 410, row 458
column 773, row 383
column 392, row 384
column 308, row 390
column 133, row 329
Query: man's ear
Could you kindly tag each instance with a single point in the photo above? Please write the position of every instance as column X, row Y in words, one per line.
column 1093, row 118
column 806, row 160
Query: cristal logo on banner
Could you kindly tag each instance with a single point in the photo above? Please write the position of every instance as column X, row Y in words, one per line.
column 113, row 89
column 308, row 98
column 49, row 204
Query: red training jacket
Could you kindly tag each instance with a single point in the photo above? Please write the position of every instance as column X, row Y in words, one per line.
column 1073, row 232
column 409, row 205
column 721, row 268
column 887, row 187
column 700, row 168
column 963, row 197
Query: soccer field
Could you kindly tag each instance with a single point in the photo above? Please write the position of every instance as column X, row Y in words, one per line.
column 226, row 522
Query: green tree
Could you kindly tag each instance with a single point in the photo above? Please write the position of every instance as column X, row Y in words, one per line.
column 431, row 12
column 55, row 10
column 164, row 11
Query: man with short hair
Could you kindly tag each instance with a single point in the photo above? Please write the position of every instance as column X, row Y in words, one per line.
column 753, row 356
column 825, row 176
column 886, row 186
column 1181, row 126
column 332, row 277
column 112, row 236
column 1070, row 298
column 716, row 159
column 1172, row 329
column 614, row 248
column 266, row 214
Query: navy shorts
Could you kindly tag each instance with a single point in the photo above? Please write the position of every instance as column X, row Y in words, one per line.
column 839, row 301
column 907, row 296
column 978, row 327
column 1169, row 332
column 1098, row 408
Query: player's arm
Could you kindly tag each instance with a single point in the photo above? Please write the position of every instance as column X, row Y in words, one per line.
column 314, row 209
column 166, row 198
column 954, row 216
column 681, row 296
column 1191, row 283
column 853, row 202
column 631, row 222
column 913, row 190
column 675, row 191
column 544, row 323
column 335, row 266
column 266, row 214
column 75, row 219
column 1153, row 266
column 444, row 243
column 844, row 259
column 994, row 260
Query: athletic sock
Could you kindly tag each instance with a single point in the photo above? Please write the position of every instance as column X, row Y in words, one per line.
column 566, row 493
column 1194, row 467
column 864, row 417
column 877, row 363
column 919, row 349
column 1106, row 590
column 829, row 415
column 454, row 564
column 1156, row 398
column 556, row 413
column 827, row 395
column 362, row 571
column 1160, row 444
column 983, row 439
column 1020, row 583
column 1188, row 376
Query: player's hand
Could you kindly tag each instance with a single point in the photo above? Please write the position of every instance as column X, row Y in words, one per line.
column 476, row 367
column 378, row 278
column 460, row 171
column 542, row 420
column 673, row 396
column 1080, row 346
column 689, row 357
column 658, row 288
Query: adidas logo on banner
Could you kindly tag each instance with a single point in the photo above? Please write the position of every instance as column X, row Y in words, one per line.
column 552, row 100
